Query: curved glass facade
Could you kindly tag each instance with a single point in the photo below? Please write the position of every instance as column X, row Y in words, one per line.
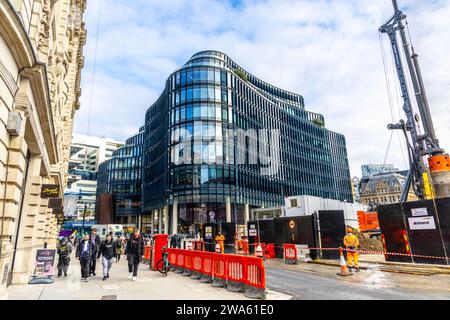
column 121, row 176
column 219, row 139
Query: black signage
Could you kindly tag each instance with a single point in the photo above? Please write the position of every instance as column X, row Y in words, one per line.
column 50, row 191
column 54, row 203
column 58, row 211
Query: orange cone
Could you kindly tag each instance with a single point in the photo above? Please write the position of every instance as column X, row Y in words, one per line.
column 344, row 271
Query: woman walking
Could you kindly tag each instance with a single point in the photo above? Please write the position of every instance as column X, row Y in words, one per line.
column 134, row 252
column 108, row 253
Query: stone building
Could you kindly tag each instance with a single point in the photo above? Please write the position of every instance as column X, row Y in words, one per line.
column 384, row 188
column 41, row 57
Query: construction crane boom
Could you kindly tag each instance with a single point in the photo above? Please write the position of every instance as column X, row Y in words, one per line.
column 419, row 144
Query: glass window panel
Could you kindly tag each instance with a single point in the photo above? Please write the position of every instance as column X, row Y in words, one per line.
column 183, row 96
column 211, row 93
column 196, row 75
column 211, row 111
column 204, row 111
column 217, row 89
column 189, row 111
column 197, row 112
column 197, row 152
column 204, row 93
column 197, row 93
column 189, row 94
column 189, row 76
column 211, row 75
column 203, row 74
column 218, row 112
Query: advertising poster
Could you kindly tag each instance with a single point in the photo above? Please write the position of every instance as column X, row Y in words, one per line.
column 43, row 267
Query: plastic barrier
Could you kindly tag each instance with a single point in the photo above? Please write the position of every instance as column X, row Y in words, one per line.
column 197, row 265
column 180, row 261
column 255, row 278
column 290, row 253
column 188, row 263
column 235, row 270
column 269, row 251
column 207, row 267
column 219, row 276
column 172, row 258
column 147, row 250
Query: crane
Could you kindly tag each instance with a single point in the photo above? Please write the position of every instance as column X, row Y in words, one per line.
column 426, row 181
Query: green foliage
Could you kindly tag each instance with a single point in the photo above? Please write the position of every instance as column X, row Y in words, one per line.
column 241, row 74
column 318, row 122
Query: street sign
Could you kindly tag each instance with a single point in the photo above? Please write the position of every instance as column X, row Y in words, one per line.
column 252, row 232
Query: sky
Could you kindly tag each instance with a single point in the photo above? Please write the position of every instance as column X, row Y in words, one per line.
column 329, row 51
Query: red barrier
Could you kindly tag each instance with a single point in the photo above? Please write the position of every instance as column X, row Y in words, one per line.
column 172, row 256
column 235, row 272
column 269, row 251
column 188, row 260
column 289, row 253
column 180, row 258
column 197, row 261
column 219, row 266
column 255, row 278
column 207, row 267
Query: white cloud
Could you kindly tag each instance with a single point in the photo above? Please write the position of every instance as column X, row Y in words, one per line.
column 328, row 51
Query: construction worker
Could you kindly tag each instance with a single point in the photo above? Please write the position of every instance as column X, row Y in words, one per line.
column 220, row 239
column 351, row 242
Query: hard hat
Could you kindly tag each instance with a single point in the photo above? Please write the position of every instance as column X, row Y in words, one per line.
column 349, row 230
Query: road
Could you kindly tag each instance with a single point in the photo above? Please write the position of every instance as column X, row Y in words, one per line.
column 309, row 286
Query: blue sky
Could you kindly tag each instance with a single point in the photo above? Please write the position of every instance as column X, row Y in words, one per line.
column 326, row 50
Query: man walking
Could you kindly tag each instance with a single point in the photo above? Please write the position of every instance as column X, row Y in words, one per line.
column 95, row 238
column 134, row 252
column 84, row 254
column 64, row 250
column 108, row 252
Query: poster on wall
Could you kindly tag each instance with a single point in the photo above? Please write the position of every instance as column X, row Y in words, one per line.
column 43, row 267
column 419, row 212
column 208, row 232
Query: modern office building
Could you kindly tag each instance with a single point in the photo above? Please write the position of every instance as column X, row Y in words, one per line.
column 219, row 141
column 87, row 153
column 119, row 185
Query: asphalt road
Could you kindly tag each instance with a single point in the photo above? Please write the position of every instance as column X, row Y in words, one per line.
column 310, row 286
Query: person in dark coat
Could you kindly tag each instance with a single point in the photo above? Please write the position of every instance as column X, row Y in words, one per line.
column 64, row 250
column 84, row 254
column 135, row 253
column 119, row 244
column 108, row 252
column 95, row 238
column 173, row 241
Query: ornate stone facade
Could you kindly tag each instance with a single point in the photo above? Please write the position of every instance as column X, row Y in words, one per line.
column 41, row 57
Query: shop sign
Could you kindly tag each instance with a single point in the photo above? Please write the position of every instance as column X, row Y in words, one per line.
column 49, row 191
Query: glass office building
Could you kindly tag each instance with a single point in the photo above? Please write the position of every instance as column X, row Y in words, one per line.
column 220, row 141
column 121, row 178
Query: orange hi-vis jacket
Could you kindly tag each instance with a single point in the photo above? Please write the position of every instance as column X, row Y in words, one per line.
column 351, row 241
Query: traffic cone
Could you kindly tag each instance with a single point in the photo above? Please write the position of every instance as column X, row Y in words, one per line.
column 259, row 251
column 344, row 271
column 218, row 248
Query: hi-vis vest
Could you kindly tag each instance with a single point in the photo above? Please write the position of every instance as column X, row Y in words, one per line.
column 351, row 240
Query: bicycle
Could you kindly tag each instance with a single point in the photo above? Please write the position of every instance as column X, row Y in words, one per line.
column 163, row 265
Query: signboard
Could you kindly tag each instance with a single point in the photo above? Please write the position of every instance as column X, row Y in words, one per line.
column 58, row 211
column 208, row 232
column 43, row 267
column 49, row 191
column 422, row 223
column 252, row 232
column 54, row 203
column 419, row 212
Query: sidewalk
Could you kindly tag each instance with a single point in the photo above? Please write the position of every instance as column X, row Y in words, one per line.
column 150, row 285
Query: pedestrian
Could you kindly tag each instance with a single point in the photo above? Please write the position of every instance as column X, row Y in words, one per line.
column 134, row 252
column 178, row 241
column 84, row 254
column 119, row 244
column 351, row 244
column 95, row 238
column 64, row 250
column 220, row 239
column 173, row 241
column 108, row 252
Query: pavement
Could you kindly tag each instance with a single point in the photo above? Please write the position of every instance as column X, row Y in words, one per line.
column 310, row 281
column 150, row 285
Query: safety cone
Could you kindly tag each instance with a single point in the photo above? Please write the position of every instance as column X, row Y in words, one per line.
column 218, row 248
column 344, row 271
column 259, row 251
column 189, row 246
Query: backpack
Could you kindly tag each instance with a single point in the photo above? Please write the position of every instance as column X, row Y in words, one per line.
column 63, row 250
